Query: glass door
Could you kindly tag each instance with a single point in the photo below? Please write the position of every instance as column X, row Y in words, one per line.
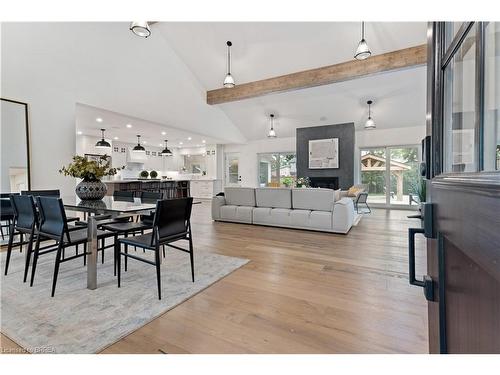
column 391, row 175
column 232, row 175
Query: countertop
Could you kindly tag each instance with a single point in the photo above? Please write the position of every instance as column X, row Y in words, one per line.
column 157, row 180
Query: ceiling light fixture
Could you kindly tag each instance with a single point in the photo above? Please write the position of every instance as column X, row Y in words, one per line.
column 229, row 80
column 98, row 119
column 189, row 138
column 272, row 133
column 166, row 151
column 139, row 147
column 370, row 124
column 140, row 28
column 102, row 143
column 79, row 132
column 362, row 52
column 163, row 133
column 115, row 138
column 128, row 126
column 203, row 141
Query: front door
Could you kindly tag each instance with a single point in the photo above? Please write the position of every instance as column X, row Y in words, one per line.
column 463, row 254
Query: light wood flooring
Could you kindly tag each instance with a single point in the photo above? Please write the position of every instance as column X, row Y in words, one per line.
column 302, row 292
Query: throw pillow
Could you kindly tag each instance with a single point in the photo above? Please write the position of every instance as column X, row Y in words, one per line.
column 353, row 191
column 336, row 195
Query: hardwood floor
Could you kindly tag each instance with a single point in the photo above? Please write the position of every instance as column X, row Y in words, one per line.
column 302, row 292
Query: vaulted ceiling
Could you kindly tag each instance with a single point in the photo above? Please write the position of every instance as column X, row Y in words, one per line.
column 164, row 78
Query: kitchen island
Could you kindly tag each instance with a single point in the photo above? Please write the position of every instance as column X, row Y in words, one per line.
column 168, row 188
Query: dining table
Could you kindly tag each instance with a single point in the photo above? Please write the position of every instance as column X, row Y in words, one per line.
column 104, row 208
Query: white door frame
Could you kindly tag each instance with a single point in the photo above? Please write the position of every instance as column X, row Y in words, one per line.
column 228, row 155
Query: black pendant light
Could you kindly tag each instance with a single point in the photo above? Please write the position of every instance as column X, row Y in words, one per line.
column 229, row 80
column 139, row 147
column 103, row 143
column 362, row 52
column 166, row 151
column 370, row 124
column 272, row 133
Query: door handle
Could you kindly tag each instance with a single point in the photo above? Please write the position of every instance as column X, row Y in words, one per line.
column 427, row 282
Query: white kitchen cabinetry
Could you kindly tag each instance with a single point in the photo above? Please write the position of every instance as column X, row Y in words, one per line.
column 202, row 188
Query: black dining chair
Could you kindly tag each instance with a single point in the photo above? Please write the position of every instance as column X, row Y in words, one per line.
column 56, row 193
column 54, row 225
column 362, row 199
column 6, row 214
column 171, row 223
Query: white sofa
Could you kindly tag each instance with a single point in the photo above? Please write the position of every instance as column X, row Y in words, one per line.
column 312, row 209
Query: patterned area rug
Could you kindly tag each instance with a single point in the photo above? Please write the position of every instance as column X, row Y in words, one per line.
column 78, row 320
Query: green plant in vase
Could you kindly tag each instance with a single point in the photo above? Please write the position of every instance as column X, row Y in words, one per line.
column 90, row 172
column 153, row 174
column 144, row 174
column 303, row 182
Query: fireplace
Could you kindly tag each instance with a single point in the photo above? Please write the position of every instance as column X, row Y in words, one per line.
column 325, row 182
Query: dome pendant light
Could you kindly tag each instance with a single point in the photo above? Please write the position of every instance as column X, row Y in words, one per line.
column 370, row 124
column 362, row 52
column 103, row 143
column 229, row 80
column 166, row 151
column 272, row 133
column 139, row 147
column 140, row 28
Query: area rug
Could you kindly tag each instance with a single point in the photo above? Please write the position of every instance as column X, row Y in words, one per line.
column 78, row 320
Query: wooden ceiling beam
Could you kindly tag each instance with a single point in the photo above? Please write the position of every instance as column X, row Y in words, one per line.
column 395, row 60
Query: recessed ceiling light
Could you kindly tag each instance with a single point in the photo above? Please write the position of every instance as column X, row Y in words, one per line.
column 203, row 141
column 181, row 143
column 163, row 133
column 144, row 142
column 79, row 132
column 98, row 119
column 115, row 138
column 189, row 138
column 128, row 126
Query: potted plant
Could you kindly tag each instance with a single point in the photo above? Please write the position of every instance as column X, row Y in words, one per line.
column 90, row 171
column 153, row 174
column 287, row 181
column 303, row 182
column 144, row 174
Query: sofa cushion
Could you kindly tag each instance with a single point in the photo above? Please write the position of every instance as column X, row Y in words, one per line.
column 240, row 196
column 273, row 216
column 242, row 214
column 273, row 197
column 313, row 199
column 311, row 219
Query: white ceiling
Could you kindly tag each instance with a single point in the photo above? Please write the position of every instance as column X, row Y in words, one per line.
column 151, row 132
column 163, row 79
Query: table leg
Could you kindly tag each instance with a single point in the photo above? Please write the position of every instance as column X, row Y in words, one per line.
column 92, row 252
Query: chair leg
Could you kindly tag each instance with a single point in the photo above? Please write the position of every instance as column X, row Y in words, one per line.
column 158, row 276
column 119, row 265
column 116, row 249
column 9, row 249
column 28, row 256
column 21, row 242
column 1, row 230
column 143, row 250
column 163, row 251
column 102, row 253
column 126, row 257
column 35, row 260
column 76, row 250
column 60, row 249
column 191, row 255
column 85, row 254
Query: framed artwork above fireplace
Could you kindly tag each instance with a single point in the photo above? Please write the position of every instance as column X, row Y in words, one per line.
column 324, row 153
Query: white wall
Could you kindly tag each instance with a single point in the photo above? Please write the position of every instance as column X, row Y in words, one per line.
column 363, row 138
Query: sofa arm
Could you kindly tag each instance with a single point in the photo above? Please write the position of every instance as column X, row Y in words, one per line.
column 343, row 215
column 343, row 193
column 217, row 203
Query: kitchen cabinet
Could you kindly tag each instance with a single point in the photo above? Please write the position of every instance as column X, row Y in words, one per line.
column 203, row 188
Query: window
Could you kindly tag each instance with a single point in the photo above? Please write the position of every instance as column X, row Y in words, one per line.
column 148, row 153
column 123, row 150
column 277, row 169
column 153, row 153
column 115, row 149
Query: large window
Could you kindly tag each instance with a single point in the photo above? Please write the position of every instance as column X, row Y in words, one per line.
column 277, row 169
column 391, row 175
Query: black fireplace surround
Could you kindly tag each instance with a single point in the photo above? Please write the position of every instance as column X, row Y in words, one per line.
column 325, row 182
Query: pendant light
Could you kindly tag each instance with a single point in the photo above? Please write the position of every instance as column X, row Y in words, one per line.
column 272, row 133
column 362, row 52
column 166, row 151
column 102, row 143
column 370, row 124
column 229, row 80
column 140, row 28
column 139, row 147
